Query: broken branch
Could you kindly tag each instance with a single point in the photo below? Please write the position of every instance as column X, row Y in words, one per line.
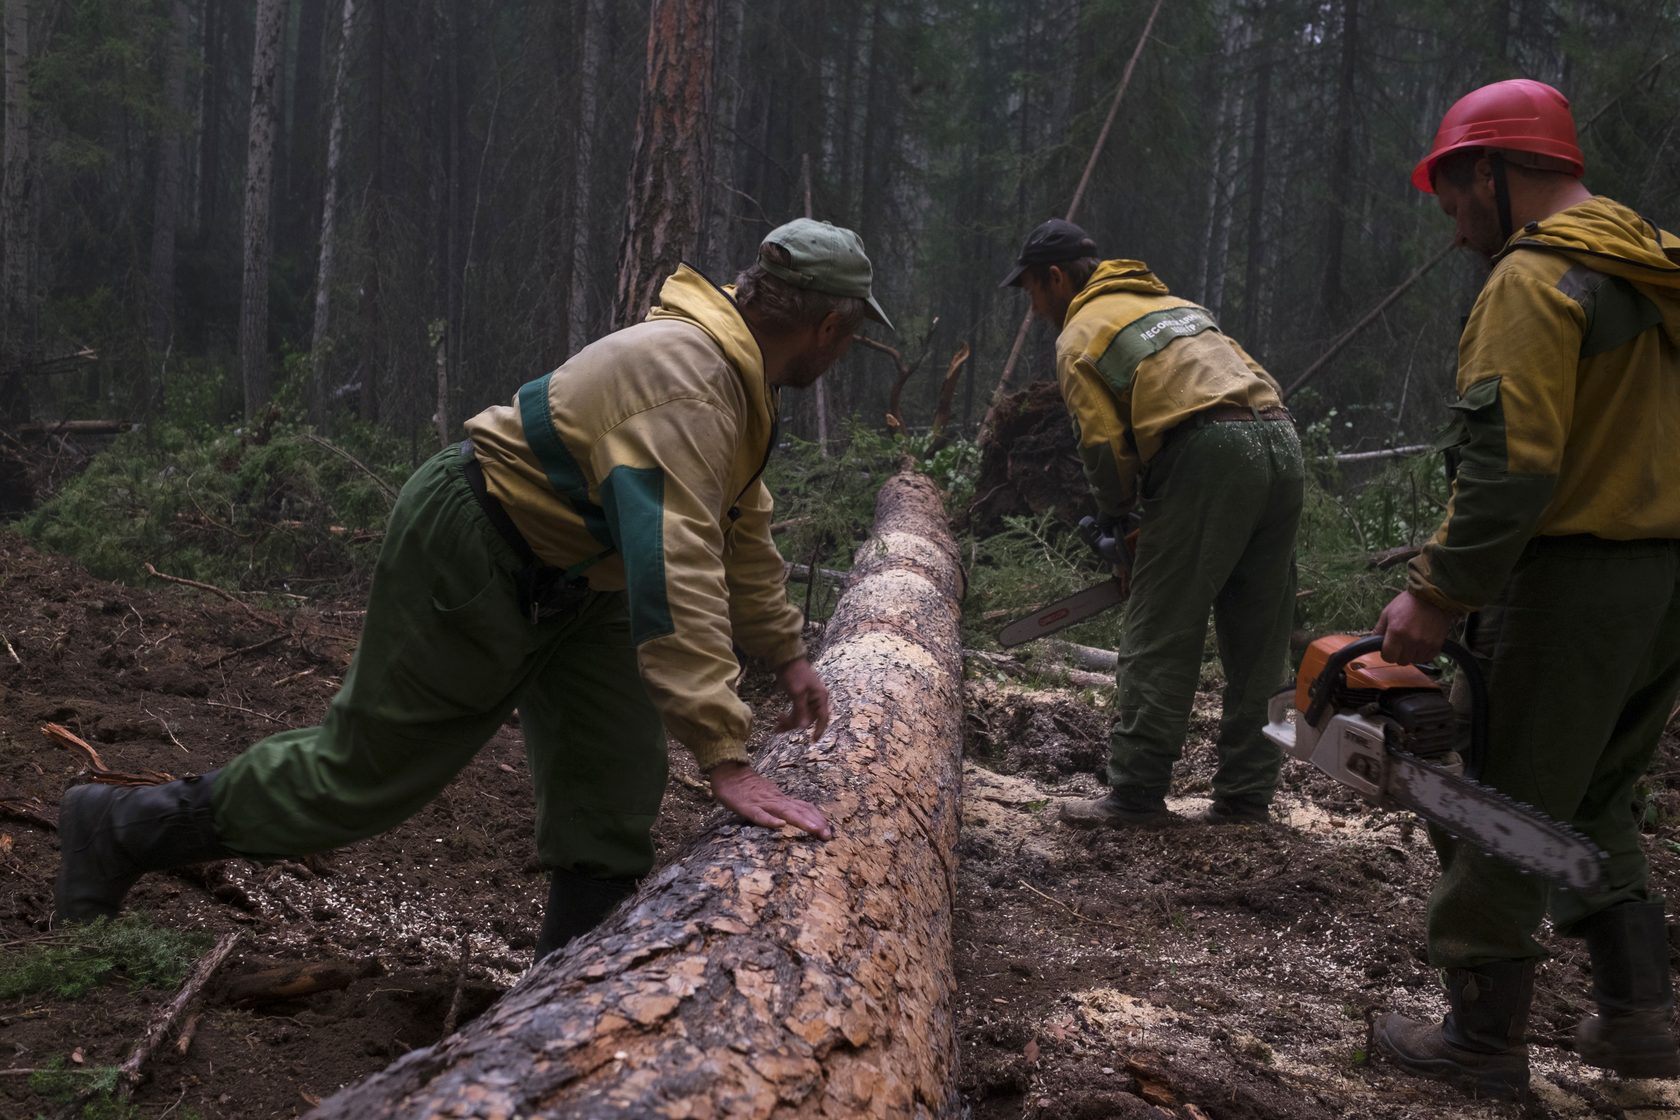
column 131, row 1071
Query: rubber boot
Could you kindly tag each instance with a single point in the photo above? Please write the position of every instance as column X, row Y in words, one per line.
column 576, row 905
column 1634, row 991
column 1479, row 1043
column 109, row 835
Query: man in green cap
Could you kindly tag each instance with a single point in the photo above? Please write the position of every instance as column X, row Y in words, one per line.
column 591, row 556
column 1176, row 422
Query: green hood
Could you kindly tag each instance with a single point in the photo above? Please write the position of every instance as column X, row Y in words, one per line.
column 1117, row 276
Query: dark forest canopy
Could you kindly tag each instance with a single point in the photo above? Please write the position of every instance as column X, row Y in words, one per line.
column 477, row 196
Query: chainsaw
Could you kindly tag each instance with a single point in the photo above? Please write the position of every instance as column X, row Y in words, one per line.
column 1390, row 733
column 1115, row 548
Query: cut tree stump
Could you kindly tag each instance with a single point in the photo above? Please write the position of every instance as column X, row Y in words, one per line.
column 767, row 974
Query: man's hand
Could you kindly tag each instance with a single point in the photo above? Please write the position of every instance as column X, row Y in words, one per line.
column 1413, row 629
column 809, row 695
column 758, row 800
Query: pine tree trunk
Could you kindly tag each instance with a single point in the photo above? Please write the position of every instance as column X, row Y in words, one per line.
column 329, row 209
column 579, row 312
column 1332, row 298
column 669, row 172
column 1252, row 267
column 259, row 180
column 166, row 211
column 17, row 229
column 763, row 974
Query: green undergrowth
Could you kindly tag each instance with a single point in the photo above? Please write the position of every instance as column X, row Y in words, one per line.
column 270, row 510
column 80, row 958
column 94, row 1087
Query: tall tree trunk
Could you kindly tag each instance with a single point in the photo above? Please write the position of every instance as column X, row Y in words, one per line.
column 1257, row 197
column 259, row 178
column 672, row 160
column 303, row 126
column 329, row 210
column 166, row 210
column 1216, row 235
column 372, row 302
column 452, row 233
column 1332, row 299
column 580, row 313
column 210, row 121
column 17, row 228
column 760, row 975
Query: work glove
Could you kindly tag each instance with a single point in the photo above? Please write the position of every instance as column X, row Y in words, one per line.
column 1112, row 539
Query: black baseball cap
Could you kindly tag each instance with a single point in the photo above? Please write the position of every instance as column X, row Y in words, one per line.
column 1053, row 242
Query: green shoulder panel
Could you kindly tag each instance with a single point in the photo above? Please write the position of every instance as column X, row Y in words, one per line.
column 634, row 498
column 1617, row 311
column 557, row 462
column 1148, row 335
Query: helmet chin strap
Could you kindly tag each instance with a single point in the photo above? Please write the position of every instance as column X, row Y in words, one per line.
column 1501, row 195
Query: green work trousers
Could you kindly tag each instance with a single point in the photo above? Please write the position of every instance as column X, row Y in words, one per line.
column 1582, row 657
column 446, row 654
column 1221, row 504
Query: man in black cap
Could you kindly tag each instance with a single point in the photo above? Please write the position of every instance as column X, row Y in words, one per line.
column 1175, row 420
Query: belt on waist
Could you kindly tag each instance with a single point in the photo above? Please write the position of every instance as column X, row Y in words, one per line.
column 1234, row 413
column 493, row 510
column 1222, row 414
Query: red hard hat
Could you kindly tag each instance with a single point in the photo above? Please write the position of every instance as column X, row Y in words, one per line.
column 1519, row 115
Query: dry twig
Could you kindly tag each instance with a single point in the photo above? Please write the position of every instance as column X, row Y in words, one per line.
column 96, row 767
column 210, row 587
column 130, row 1073
column 385, row 487
column 453, row 1015
column 1069, row 909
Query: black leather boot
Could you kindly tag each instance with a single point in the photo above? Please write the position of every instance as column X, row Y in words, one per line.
column 1479, row 1043
column 1634, row 990
column 576, row 905
column 109, row 835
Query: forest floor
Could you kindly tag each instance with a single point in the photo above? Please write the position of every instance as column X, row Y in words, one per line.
column 1197, row 971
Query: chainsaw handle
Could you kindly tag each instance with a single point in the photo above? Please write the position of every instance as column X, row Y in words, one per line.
column 1337, row 664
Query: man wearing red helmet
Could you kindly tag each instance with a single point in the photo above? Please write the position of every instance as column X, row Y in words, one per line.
column 1562, row 545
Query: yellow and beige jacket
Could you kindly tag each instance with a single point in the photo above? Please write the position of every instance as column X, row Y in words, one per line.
column 1569, row 400
column 638, row 464
column 1135, row 361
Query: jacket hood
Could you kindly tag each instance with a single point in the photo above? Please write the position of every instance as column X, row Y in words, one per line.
column 1607, row 237
column 688, row 296
column 1117, row 276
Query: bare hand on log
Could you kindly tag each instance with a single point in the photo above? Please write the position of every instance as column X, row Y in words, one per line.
column 758, row 800
column 809, row 695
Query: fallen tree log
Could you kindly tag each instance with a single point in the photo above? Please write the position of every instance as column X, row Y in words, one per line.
column 767, row 974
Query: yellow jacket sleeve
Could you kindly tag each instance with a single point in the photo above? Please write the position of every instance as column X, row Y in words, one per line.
column 1517, row 367
column 1100, row 429
column 664, row 472
column 766, row 625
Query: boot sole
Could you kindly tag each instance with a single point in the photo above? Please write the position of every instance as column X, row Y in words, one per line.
column 1638, row 1068
column 1504, row 1086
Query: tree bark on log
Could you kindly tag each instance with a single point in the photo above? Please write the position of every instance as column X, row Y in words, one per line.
column 767, row 974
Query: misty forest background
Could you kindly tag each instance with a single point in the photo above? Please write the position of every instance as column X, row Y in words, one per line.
column 371, row 218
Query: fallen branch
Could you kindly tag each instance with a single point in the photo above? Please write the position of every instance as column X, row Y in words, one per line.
column 294, row 981
column 27, row 811
column 453, row 1015
column 1390, row 557
column 96, row 767
column 189, row 1030
column 131, row 1072
column 388, row 490
column 784, row 526
column 1086, row 657
column 247, row 711
column 1384, row 453
column 78, row 428
column 257, row 647
column 210, row 587
column 7, row 643
column 1058, row 902
column 803, row 572
column 947, row 394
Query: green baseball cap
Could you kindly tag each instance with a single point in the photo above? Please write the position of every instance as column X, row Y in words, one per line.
column 823, row 258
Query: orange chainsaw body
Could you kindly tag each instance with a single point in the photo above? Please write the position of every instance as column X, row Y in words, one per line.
column 1367, row 672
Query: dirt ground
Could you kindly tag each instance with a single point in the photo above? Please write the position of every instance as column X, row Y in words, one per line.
column 1193, row 972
